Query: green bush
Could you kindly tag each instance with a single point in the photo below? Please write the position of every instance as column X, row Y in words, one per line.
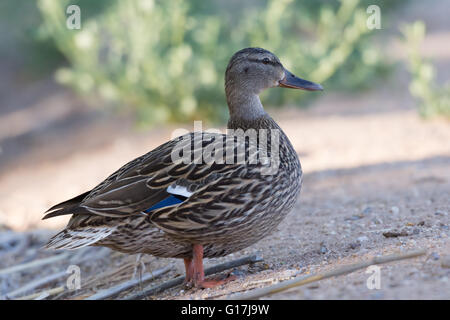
column 165, row 60
column 434, row 100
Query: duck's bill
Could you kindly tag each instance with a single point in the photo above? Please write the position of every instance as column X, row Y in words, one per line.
column 291, row 81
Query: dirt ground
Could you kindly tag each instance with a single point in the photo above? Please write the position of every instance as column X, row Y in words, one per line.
column 371, row 166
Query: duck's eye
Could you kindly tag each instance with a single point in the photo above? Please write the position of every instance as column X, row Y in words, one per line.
column 266, row 61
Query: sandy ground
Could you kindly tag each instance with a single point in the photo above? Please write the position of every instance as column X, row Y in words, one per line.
column 371, row 166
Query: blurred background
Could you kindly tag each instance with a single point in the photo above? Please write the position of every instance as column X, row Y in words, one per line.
column 75, row 105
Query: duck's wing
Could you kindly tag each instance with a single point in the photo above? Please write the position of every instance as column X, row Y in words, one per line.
column 163, row 177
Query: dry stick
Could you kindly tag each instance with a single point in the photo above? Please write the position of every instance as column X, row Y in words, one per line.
column 34, row 284
column 40, row 282
column 179, row 280
column 33, row 264
column 51, row 259
column 93, row 280
column 313, row 278
column 43, row 294
column 115, row 290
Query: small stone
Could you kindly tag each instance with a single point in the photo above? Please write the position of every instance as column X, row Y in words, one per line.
column 362, row 239
column 313, row 286
column 395, row 234
column 394, row 210
column 377, row 221
column 323, row 250
column 354, row 245
column 355, row 217
column 434, row 256
column 238, row 273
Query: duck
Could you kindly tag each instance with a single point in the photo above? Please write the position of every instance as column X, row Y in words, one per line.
column 202, row 194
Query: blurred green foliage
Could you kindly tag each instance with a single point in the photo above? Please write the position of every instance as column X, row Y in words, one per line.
column 165, row 60
column 18, row 21
column 434, row 100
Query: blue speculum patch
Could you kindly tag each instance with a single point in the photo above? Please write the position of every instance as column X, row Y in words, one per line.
column 169, row 201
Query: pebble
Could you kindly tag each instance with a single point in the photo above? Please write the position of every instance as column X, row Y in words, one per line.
column 362, row 239
column 323, row 250
column 355, row 217
column 238, row 273
column 355, row 245
column 395, row 234
column 394, row 210
column 377, row 221
column 434, row 256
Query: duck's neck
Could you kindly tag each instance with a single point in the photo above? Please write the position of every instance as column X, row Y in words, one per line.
column 244, row 106
column 247, row 112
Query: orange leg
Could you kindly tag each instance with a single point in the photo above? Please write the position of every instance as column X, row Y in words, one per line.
column 199, row 272
column 189, row 270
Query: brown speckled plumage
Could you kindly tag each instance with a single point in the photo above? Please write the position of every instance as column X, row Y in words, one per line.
column 229, row 206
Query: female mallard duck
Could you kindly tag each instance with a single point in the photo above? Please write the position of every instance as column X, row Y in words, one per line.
column 169, row 207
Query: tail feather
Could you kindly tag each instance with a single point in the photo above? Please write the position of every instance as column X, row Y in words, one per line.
column 70, row 206
column 74, row 201
column 74, row 209
column 78, row 238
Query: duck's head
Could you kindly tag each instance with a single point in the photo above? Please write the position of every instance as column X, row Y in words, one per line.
column 252, row 70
